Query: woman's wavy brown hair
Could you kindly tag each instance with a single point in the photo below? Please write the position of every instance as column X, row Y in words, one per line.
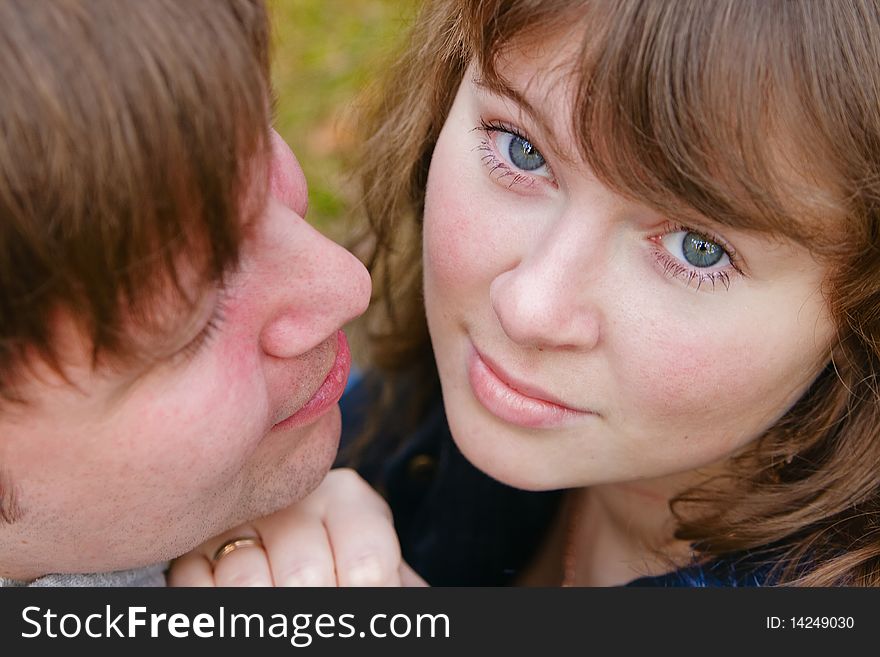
column 760, row 115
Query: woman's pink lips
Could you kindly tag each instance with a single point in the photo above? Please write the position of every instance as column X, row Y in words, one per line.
column 516, row 402
column 328, row 393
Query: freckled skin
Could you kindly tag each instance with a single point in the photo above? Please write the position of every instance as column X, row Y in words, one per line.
column 112, row 477
column 560, row 284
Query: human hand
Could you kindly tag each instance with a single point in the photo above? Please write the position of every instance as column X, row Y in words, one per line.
column 342, row 534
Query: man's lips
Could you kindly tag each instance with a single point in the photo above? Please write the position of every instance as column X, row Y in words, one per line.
column 516, row 401
column 328, row 393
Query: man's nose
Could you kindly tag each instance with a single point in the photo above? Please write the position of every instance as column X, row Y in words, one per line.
column 546, row 301
column 287, row 182
column 320, row 287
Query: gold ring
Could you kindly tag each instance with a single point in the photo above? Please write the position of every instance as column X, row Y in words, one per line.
column 235, row 543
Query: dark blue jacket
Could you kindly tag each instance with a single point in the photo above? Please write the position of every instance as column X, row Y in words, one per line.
column 460, row 527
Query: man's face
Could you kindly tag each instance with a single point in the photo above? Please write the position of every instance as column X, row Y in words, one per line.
column 119, row 470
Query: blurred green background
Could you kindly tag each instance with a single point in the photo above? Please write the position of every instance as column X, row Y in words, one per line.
column 324, row 52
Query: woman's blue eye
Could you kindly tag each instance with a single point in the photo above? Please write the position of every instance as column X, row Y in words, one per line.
column 695, row 250
column 701, row 252
column 523, row 155
column 511, row 154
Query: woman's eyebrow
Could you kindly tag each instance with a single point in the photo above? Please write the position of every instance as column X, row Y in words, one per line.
column 499, row 88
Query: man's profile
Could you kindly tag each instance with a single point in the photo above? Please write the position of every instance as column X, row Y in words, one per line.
column 171, row 346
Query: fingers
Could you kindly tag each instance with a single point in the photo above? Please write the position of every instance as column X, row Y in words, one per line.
column 292, row 565
column 366, row 551
column 299, row 547
column 192, row 569
column 342, row 534
column 241, row 563
column 247, row 565
column 365, row 546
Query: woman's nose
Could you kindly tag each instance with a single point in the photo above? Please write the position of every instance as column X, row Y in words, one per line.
column 544, row 302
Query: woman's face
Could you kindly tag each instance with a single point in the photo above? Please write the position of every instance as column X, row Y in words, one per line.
column 583, row 338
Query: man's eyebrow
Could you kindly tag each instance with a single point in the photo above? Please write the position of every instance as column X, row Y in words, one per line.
column 499, row 88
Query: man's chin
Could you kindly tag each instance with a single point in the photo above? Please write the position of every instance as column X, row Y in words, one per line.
column 290, row 465
column 300, row 469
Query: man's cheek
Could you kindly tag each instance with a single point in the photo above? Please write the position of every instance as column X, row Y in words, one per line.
column 213, row 419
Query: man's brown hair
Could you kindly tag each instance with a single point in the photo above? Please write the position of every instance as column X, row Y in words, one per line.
column 130, row 134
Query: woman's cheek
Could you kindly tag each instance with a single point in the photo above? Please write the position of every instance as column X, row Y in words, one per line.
column 449, row 263
column 715, row 385
column 465, row 244
column 451, row 243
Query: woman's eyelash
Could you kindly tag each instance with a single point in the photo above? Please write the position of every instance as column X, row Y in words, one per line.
column 675, row 268
column 491, row 159
column 497, row 126
column 497, row 166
